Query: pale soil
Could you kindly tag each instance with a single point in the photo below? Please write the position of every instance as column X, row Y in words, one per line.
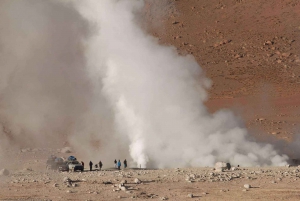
column 268, row 184
column 29, row 180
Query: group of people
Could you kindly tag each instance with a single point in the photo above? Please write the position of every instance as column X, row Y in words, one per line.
column 100, row 164
column 118, row 164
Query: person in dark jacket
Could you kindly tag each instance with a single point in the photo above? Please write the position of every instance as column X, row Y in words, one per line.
column 115, row 163
column 91, row 165
column 119, row 165
column 82, row 163
column 100, row 165
column 125, row 163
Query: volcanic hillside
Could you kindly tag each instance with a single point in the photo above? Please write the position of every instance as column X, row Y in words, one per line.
column 250, row 51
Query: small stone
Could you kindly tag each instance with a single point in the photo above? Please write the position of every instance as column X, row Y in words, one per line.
column 74, row 185
column 55, row 185
column 123, row 182
column 67, row 179
column 247, row 186
column 123, row 188
column 190, row 195
column 137, row 181
column 68, row 191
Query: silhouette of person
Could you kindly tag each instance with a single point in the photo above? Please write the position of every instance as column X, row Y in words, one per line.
column 100, row 165
column 125, row 163
column 119, row 165
column 91, row 165
column 115, row 163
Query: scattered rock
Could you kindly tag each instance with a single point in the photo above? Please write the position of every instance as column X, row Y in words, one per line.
column 67, row 180
column 137, row 181
column 123, row 182
column 190, row 195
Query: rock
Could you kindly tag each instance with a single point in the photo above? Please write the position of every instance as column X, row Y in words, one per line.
column 123, row 182
column 247, row 186
column 66, row 150
column 123, row 188
column 55, row 185
column 163, row 198
column 74, row 185
column 4, row 172
column 68, row 191
column 67, row 180
column 137, row 181
column 190, row 195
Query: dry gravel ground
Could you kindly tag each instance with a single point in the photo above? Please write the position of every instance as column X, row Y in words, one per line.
column 29, row 180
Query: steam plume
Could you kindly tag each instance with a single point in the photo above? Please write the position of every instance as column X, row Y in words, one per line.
column 158, row 103
column 85, row 71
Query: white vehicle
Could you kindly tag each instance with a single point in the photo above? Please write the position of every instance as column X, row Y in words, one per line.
column 75, row 165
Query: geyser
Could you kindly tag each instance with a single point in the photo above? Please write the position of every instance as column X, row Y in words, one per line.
column 85, row 71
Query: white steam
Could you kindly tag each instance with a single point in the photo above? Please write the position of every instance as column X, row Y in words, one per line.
column 158, row 100
column 84, row 71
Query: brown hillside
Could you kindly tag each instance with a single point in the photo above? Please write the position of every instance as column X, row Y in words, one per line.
column 249, row 49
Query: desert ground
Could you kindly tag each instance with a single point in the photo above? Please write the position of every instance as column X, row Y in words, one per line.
column 33, row 182
column 251, row 52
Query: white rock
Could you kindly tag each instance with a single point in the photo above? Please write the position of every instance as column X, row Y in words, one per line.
column 123, row 182
column 137, row 181
column 247, row 186
column 190, row 195
column 123, row 188
column 67, row 179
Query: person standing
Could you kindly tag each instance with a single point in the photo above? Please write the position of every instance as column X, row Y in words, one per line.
column 125, row 163
column 91, row 165
column 115, row 163
column 119, row 165
column 100, row 165
column 82, row 163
